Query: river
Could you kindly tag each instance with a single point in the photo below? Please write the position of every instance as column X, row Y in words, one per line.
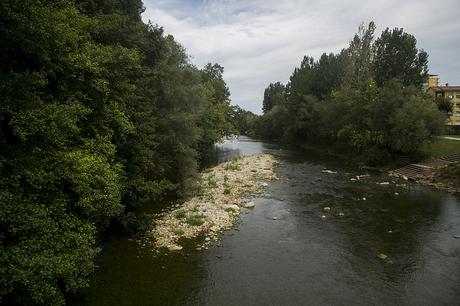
column 290, row 250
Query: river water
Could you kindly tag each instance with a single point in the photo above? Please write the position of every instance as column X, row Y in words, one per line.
column 289, row 250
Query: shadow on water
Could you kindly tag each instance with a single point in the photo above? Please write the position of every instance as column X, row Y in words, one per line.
column 312, row 239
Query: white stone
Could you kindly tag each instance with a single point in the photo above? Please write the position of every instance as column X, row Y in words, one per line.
column 327, row 208
column 249, row 205
column 174, row 247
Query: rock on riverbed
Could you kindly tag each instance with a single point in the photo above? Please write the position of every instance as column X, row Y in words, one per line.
column 218, row 206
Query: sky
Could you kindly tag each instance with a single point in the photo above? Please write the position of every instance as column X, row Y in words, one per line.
column 261, row 41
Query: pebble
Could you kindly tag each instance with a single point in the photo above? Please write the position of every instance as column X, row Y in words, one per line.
column 396, row 193
column 213, row 210
column 274, row 218
column 364, row 198
column 323, row 216
column 327, row 208
column 249, row 205
column 174, row 248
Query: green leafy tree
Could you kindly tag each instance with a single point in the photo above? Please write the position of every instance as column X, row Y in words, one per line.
column 100, row 114
column 358, row 57
column 396, row 56
column 243, row 121
column 367, row 98
column 274, row 94
column 215, row 121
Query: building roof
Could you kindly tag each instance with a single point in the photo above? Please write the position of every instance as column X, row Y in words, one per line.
column 445, row 88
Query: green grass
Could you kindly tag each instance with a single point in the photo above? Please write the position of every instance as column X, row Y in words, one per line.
column 233, row 165
column 230, row 210
column 226, row 191
column 442, row 147
column 450, row 175
column 178, row 231
column 453, row 136
column 195, row 219
column 212, row 183
column 180, row 214
column 209, row 198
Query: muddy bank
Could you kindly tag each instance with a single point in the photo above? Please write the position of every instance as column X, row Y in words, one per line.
column 225, row 190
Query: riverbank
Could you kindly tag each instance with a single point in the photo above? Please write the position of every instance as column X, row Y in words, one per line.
column 225, row 189
column 446, row 178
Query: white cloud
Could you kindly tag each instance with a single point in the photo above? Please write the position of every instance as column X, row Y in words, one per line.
column 259, row 42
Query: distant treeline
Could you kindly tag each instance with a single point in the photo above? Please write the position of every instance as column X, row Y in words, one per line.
column 99, row 115
column 368, row 99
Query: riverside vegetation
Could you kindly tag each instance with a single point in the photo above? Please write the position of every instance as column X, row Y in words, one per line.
column 102, row 114
column 367, row 100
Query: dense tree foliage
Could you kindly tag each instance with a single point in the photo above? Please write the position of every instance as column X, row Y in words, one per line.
column 396, row 57
column 367, row 98
column 273, row 95
column 243, row 121
column 100, row 113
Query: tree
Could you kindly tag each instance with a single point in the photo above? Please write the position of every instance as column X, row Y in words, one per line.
column 243, row 121
column 215, row 122
column 274, row 94
column 358, row 57
column 59, row 180
column 365, row 98
column 396, row 56
column 445, row 105
column 100, row 115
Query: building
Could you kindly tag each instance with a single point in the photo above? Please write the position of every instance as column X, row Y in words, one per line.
column 446, row 92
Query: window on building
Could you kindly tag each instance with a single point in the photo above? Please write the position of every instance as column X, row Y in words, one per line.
column 439, row 94
column 457, row 96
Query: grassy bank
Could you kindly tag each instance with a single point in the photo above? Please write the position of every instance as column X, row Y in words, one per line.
column 442, row 147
